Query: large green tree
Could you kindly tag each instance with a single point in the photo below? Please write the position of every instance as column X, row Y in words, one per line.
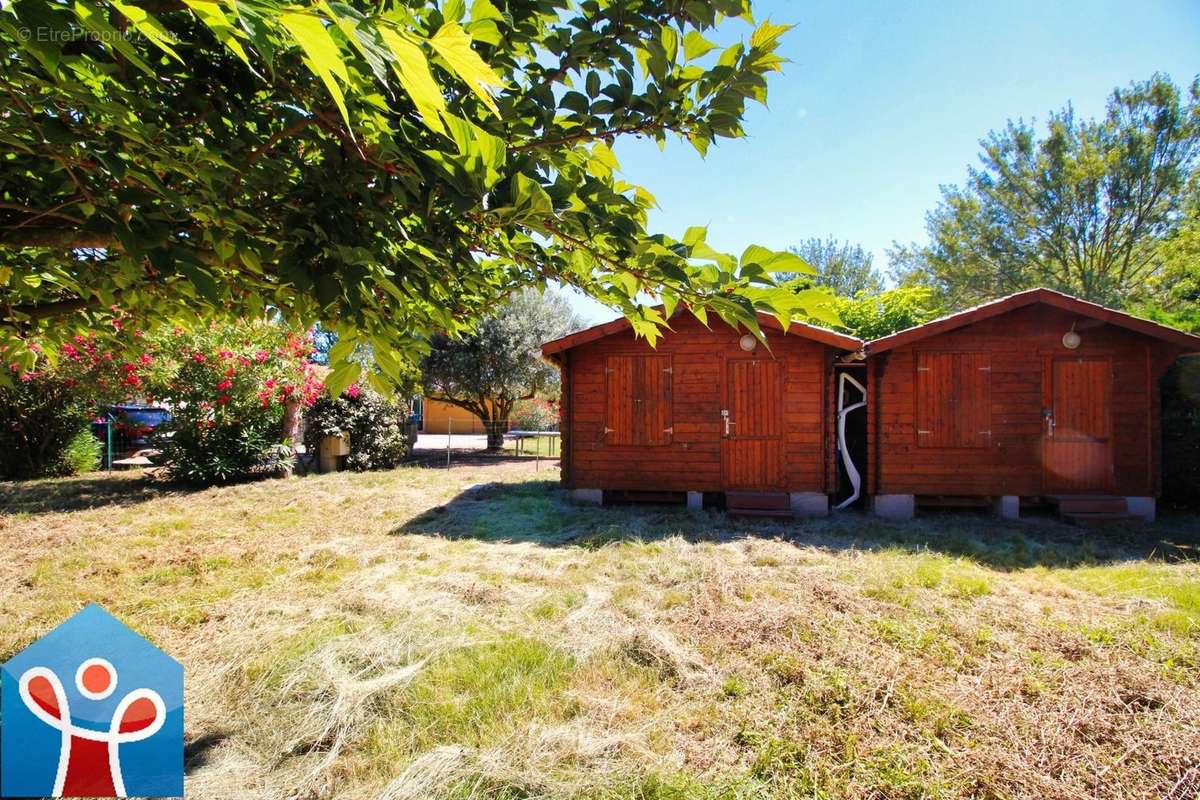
column 488, row 371
column 1082, row 207
column 843, row 267
column 387, row 168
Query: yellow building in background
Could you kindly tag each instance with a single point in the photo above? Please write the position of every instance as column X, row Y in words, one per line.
column 438, row 416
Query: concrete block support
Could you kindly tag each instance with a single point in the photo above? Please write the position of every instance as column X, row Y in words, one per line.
column 592, row 496
column 695, row 501
column 1143, row 507
column 1007, row 507
column 894, row 506
column 809, row 504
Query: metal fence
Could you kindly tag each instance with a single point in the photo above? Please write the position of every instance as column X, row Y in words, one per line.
column 500, row 438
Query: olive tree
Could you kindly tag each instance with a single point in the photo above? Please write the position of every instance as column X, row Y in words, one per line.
column 488, row 371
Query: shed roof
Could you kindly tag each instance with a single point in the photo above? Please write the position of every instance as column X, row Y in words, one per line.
column 823, row 335
column 1048, row 297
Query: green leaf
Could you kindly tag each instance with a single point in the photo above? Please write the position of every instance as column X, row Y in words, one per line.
column 604, row 154
column 484, row 10
column 453, row 44
column 756, row 254
column 593, row 84
column 574, row 101
column 453, row 10
column 670, row 42
column 695, row 45
column 342, row 349
column 220, row 25
column 93, row 19
column 766, row 36
column 412, row 69
column 695, row 235
column 149, row 27
column 321, row 52
column 341, row 377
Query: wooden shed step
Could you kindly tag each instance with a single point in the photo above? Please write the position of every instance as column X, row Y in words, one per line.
column 761, row 513
column 1089, row 504
column 1095, row 519
column 745, row 501
column 953, row 501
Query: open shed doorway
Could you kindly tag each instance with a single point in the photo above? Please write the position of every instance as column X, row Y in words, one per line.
column 850, row 425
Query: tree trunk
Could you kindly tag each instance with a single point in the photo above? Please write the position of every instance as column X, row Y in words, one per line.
column 495, row 433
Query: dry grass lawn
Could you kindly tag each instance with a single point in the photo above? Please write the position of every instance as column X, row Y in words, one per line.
column 391, row 636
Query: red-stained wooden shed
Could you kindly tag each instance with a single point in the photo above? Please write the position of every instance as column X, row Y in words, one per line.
column 703, row 412
column 1035, row 395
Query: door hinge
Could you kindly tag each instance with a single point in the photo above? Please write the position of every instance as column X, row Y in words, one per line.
column 669, row 369
column 669, row 430
column 985, row 433
column 922, row 433
column 608, row 431
column 985, row 369
column 922, row 369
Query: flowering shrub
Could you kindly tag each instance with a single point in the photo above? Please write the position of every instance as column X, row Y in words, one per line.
column 534, row 415
column 228, row 387
column 379, row 431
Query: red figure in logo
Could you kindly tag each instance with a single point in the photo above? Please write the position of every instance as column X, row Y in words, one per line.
column 89, row 762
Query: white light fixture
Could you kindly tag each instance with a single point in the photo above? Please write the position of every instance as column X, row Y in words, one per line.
column 748, row 342
column 1071, row 339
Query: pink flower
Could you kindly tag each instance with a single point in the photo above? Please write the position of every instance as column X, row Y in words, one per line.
column 177, row 331
column 145, row 358
column 223, row 399
column 132, row 380
column 270, row 384
column 225, row 385
column 225, row 354
column 198, row 358
column 353, row 391
column 261, row 356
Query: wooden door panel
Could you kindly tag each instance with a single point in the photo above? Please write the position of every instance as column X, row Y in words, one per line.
column 1078, row 445
column 753, row 463
column 752, row 452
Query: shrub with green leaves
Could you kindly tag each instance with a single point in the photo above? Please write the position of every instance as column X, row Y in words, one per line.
column 40, row 417
column 83, row 452
column 380, row 433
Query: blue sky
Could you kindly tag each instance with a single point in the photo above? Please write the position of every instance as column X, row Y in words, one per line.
column 884, row 101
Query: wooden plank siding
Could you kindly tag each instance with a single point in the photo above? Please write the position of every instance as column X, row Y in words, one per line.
column 1019, row 348
column 689, row 457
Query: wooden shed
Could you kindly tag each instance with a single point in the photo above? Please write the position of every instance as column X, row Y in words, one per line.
column 708, row 414
column 1036, row 395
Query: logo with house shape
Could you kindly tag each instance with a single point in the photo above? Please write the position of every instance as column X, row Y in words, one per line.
column 91, row 709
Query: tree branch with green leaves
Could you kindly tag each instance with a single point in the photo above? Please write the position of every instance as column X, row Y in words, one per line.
column 389, row 170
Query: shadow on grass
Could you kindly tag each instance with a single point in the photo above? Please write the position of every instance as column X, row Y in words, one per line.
column 82, row 492
column 540, row 512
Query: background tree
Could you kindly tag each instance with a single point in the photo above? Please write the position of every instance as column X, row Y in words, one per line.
column 843, row 267
column 488, row 371
column 388, row 168
column 1083, row 208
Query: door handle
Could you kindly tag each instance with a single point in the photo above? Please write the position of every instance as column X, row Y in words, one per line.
column 725, row 417
column 1049, row 416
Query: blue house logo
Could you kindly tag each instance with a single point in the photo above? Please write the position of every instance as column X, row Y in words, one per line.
column 91, row 710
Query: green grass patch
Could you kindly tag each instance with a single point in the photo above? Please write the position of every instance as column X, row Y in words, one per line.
column 476, row 696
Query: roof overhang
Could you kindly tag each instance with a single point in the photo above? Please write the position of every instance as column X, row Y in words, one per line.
column 825, row 336
column 1186, row 341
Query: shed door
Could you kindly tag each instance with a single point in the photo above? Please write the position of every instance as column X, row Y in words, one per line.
column 1078, row 426
column 752, row 447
